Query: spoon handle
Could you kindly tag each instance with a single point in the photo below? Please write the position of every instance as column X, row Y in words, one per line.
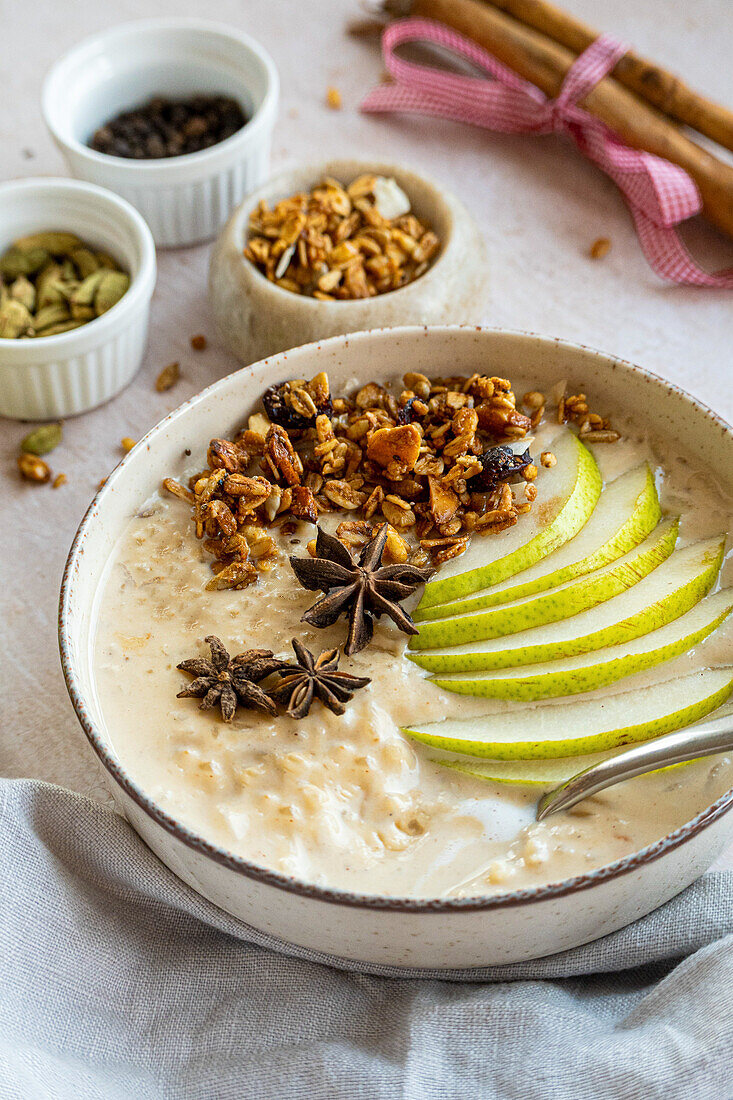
column 704, row 739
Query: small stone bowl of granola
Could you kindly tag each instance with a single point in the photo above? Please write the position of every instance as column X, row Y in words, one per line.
column 339, row 247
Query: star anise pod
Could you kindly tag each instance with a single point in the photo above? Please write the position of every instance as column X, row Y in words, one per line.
column 363, row 590
column 314, row 676
column 230, row 681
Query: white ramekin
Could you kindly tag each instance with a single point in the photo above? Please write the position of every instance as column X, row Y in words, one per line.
column 183, row 199
column 56, row 376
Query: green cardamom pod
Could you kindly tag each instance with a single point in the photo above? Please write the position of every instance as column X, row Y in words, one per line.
column 113, row 286
column 62, row 326
column 14, row 263
column 43, row 439
column 82, row 313
column 51, row 315
column 85, row 261
column 58, row 244
column 23, row 290
column 15, row 319
column 68, row 271
column 48, row 286
column 83, row 294
column 105, row 260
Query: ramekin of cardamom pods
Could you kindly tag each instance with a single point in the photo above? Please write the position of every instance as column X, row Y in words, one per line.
column 174, row 114
column 77, row 272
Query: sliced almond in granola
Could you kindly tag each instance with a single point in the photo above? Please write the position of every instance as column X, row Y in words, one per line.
column 444, row 503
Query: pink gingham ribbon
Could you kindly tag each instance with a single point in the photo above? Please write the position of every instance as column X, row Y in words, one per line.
column 659, row 194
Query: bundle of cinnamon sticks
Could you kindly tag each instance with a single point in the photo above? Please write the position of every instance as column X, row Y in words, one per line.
column 646, row 105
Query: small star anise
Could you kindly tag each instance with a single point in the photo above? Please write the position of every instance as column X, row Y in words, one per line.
column 230, row 681
column 315, row 676
column 364, row 590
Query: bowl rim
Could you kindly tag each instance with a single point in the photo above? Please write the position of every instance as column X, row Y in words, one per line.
column 351, row 899
column 246, row 135
column 443, row 198
column 141, row 283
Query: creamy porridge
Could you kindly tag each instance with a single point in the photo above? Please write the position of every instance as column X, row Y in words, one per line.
column 348, row 800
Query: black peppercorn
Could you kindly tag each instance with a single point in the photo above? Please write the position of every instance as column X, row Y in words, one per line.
column 169, row 128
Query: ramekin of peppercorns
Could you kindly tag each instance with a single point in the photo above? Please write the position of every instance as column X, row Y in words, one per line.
column 175, row 115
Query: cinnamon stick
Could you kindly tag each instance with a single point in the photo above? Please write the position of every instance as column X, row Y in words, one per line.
column 545, row 63
column 654, row 84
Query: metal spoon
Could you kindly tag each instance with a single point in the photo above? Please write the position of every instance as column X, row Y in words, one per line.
column 705, row 739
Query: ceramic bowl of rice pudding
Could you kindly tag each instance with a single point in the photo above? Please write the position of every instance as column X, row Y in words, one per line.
column 337, row 623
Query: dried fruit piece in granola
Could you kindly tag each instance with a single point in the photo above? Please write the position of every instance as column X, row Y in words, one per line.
column 499, row 464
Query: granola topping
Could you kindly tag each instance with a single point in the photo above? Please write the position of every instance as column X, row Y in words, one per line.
column 342, row 242
column 438, row 462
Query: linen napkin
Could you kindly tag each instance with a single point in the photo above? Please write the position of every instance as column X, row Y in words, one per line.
column 120, row 982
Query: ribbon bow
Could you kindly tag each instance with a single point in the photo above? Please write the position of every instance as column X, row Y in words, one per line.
column 659, row 194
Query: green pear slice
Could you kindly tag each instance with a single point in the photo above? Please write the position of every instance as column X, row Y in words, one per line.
column 535, row 773
column 627, row 511
column 668, row 592
column 582, row 725
column 573, row 675
column 567, row 495
column 559, row 603
column 529, row 773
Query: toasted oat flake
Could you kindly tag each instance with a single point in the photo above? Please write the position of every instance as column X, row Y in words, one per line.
column 413, row 459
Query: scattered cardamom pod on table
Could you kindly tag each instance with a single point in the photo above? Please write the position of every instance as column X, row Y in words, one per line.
column 42, row 440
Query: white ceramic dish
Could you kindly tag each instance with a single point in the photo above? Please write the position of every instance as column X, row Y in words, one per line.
column 256, row 318
column 57, row 376
column 183, row 199
column 431, row 934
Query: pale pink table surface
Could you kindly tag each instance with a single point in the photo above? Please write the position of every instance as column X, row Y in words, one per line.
column 539, row 207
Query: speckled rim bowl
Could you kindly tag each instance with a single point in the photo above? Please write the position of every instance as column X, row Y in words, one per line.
column 430, row 935
column 257, row 318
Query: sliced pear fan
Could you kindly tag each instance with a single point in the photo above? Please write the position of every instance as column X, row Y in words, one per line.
column 569, row 491
column 627, row 511
column 559, row 603
column 606, row 723
column 668, row 592
column 572, row 675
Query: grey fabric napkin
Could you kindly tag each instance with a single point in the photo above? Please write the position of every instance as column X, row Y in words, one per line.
column 119, row 982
